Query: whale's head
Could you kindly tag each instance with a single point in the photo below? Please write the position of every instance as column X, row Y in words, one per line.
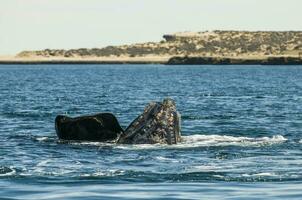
column 159, row 123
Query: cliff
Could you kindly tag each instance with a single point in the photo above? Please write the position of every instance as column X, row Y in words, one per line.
column 203, row 44
column 278, row 60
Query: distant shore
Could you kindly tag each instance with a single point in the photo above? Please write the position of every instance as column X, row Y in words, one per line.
column 272, row 60
column 184, row 48
column 87, row 60
column 175, row 60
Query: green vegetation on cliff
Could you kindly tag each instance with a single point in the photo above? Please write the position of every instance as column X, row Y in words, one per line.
column 202, row 44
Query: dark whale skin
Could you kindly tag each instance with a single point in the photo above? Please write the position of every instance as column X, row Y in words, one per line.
column 100, row 127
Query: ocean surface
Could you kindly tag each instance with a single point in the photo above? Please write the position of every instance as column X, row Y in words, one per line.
column 241, row 127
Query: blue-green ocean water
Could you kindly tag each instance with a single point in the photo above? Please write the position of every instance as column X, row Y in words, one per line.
column 241, row 127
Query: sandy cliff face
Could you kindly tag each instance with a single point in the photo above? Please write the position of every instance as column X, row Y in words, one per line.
column 207, row 44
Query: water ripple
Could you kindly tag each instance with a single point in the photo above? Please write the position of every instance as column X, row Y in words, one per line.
column 241, row 128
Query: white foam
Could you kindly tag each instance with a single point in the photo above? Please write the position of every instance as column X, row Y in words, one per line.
column 218, row 176
column 164, row 159
column 112, row 172
column 225, row 140
column 47, row 172
column 43, row 163
column 206, row 168
column 197, row 141
column 264, row 174
column 141, row 146
column 11, row 172
column 259, row 174
column 41, row 139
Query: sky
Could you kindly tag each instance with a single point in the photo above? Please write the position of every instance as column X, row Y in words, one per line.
column 66, row 24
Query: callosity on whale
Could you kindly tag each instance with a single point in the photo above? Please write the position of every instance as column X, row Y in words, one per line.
column 159, row 123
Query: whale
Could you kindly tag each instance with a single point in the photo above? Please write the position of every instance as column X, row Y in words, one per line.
column 159, row 123
column 99, row 127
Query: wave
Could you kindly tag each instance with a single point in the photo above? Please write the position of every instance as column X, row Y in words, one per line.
column 261, row 174
column 34, row 114
column 103, row 173
column 7, row 171
column 192, row 141
column 225, row 140
column 119, row 175
column 44, row 139
column 191, row 117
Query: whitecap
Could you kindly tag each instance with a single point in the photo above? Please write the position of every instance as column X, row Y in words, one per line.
column 261, row 174
column 43, row 163
column 195, row 141
column 211, row 140
column 7, row 171
column 102, row 173
column 48, row 172
column 140, row 146
column 86, row 143
column 206, row 168
column 218, row 176
column 225, row 140
column 164, row 159
column 96, row 174
column 264, row 174
column 41, row 139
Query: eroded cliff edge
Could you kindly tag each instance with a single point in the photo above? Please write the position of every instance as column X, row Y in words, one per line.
column 237, row 46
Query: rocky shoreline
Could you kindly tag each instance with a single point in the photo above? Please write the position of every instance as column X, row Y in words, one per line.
column 176, row 60
column 208, row 48
column 234, row 61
